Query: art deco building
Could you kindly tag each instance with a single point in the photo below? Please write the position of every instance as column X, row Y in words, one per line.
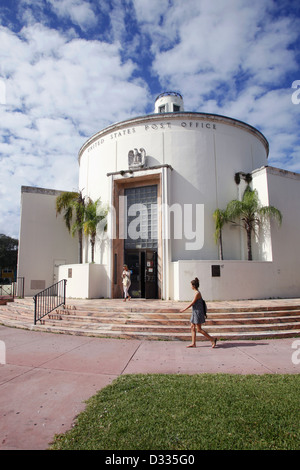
column 162, row 176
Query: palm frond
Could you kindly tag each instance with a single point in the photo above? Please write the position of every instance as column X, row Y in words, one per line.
column 268, row 212
column 220, row 218
column 251, row 214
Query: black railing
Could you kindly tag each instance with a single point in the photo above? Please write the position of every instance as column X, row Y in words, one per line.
column 49, row 299
column 6, row 290
column 15, row 289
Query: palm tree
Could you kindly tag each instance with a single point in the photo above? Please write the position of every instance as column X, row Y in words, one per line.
column 251, row 214
column 70, row 203
column 220, row 217
column 94, row 214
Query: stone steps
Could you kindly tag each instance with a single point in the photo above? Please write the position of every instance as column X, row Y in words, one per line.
column 5, row 298
column 158, row 320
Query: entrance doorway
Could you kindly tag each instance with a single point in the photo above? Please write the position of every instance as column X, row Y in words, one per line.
column 143, row 267
column 138, row 236
column 140, row 247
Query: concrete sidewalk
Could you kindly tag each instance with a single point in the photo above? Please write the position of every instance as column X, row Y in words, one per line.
column 47, row 377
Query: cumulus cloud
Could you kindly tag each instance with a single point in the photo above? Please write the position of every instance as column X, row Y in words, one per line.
column 233, row 58
column 68, row 68
column 226, row 42
column 59, row 91
column 80, row 12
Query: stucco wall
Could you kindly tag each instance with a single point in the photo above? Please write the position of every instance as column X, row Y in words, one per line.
column 85, row 281
column 44, row 240
column 205, row 152
column 279, row 275
column 238, row 280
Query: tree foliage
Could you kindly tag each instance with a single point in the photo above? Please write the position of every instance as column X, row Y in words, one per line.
column 220, row 218
column 94, row 214
column 251, row 214
column 72, row 205
column 82, row 216
column 8, row 252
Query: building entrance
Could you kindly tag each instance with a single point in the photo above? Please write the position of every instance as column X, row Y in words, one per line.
column 140, row 245
column 143, row 267
column 138, row 236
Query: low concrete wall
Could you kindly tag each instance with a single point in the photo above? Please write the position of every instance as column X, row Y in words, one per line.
column 85, row 281
column 238, row 280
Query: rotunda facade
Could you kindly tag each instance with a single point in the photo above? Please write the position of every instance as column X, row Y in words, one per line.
column 162, row 176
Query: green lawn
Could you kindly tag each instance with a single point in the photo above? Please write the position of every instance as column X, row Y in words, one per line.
column 189, row 412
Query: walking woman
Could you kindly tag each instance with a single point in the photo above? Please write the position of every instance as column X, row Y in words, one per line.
column 198, row 316
column 126, row 281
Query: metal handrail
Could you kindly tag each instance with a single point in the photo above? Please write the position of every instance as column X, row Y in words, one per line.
column 15, row 289
column 49, row 299
column 6, row 290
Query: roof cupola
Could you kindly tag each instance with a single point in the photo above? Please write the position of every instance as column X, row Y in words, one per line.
column 169, row 102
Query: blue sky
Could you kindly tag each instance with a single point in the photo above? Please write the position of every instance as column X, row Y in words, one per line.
column 68, row 68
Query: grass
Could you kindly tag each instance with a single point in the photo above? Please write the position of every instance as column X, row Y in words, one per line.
column 189, row 412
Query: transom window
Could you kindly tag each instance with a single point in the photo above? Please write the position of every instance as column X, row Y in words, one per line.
column 142, row 217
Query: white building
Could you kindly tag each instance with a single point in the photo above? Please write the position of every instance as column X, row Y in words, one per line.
column 163, row 175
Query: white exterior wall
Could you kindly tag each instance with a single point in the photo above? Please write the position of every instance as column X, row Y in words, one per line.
column 239, row 280
column 85, row 281
column 284, row 193
column 204, row 151
column 279, row 275
column 45, row 242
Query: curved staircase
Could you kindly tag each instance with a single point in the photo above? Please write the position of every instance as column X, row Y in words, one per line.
column 160, row 320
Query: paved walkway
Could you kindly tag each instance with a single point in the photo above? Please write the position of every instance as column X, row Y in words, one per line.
column 46, row 378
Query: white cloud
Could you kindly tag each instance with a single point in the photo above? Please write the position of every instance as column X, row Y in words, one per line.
column 232, row 58
column 59, row 91
column 224, row 39
column 72, row 67
column 150, row 12
column 80, row 12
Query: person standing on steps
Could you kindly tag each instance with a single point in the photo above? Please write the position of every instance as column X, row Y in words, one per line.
column 126, row 281
column 198, row 316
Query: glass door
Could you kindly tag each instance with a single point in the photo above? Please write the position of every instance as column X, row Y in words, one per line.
column 151, row 274
column 133, row 261
column 143, row 267
column 141, row 244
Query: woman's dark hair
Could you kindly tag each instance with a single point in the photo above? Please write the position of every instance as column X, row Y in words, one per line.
column 195, row 283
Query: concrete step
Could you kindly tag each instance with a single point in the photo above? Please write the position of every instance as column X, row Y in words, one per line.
column 176, row 316
column 158, row 320
column 156, row 310
column 4, row 299
column 167, row 335
column 172, row 326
